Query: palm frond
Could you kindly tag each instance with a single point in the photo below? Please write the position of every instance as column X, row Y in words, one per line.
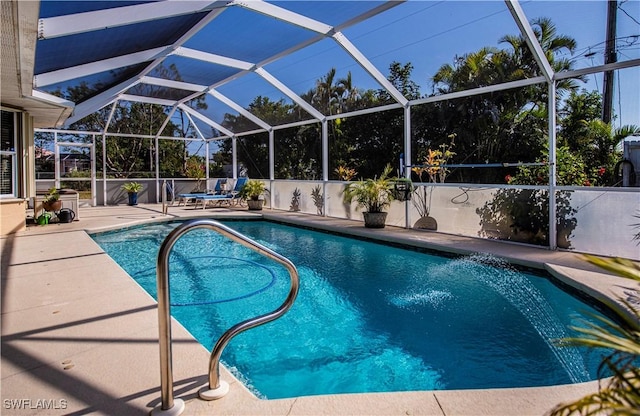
column 619, row 387
column 623, row 267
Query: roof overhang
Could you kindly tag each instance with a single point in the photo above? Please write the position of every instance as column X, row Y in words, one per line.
column 19, row 35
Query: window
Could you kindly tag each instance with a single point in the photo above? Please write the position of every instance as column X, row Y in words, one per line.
column 8, row 159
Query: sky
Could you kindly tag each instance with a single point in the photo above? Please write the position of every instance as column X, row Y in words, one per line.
column 429, row 34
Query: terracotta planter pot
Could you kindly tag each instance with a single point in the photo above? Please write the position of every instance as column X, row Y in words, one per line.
column 52, row 206
column 374, row 219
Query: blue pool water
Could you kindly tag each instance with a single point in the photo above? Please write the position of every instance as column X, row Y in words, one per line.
column 368, row 318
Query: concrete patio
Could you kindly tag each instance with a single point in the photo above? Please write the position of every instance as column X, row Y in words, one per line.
column 79, row 336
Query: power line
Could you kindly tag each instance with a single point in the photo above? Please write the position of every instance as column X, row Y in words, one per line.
column 435, row 35
column 403, row 45
column 597, row 48
column 625, row 12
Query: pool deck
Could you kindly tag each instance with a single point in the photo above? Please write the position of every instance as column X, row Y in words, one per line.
column 79, row 336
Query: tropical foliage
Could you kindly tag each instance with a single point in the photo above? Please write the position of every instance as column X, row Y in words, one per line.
column 434, row 162
column 195, row 169
column 345, row 173
column 253, row 189
column 52, row 195
column 619, row 388
column 570, row 168
column 373, row 194
column 503, row 126
column 496, row 127
column 433, row 169
column 132, row 187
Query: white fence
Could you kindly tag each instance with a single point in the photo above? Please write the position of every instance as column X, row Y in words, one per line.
column 591, row 220
column 594, row 220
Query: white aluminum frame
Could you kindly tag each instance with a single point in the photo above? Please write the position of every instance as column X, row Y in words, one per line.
column 82, row 22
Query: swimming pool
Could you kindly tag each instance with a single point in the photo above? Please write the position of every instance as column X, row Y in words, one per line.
column 369, row 317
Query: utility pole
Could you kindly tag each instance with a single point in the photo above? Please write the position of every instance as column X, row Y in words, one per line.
column 610, row 56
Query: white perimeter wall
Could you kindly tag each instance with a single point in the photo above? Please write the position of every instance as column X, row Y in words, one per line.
column 602, row 219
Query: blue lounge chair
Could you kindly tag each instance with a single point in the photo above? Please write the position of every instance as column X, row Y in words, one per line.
column 217, row 190
column 184, row 198
column 230, row 198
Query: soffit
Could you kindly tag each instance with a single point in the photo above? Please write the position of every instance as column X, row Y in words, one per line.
column 19, row 34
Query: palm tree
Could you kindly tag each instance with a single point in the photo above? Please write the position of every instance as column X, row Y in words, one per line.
column 334, row 96
column 553, row 46
column 477, row 69
column 326, row 96
column 488, row 126
column 348, row 94
column 491, row 65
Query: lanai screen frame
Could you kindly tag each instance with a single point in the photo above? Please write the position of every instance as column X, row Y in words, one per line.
column 59, row 26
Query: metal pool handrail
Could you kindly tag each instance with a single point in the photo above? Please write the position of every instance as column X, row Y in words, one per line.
column 163, row 193
column 216, row 388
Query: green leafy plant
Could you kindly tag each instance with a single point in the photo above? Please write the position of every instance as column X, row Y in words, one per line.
column 571, row 171
column 403, row 189
column 253, row 189
column 618, row 394
column 374, row 195
column 132, row 187
column 52, row 196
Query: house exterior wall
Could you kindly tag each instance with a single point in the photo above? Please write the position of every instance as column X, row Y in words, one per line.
column 13, row 208
column 12, row 215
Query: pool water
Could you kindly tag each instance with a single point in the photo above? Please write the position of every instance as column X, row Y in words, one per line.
column 368, row 318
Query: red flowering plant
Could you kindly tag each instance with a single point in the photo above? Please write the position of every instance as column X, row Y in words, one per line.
column 597, row 177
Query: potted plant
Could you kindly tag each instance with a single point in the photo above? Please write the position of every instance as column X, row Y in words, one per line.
column 253, row 193
column 51, row 201
column 434, row 170
column 132, row 188
column 374, row 195
column 402, row 189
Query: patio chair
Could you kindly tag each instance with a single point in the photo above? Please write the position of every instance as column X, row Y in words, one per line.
column 231, row 198
column 217, row 190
